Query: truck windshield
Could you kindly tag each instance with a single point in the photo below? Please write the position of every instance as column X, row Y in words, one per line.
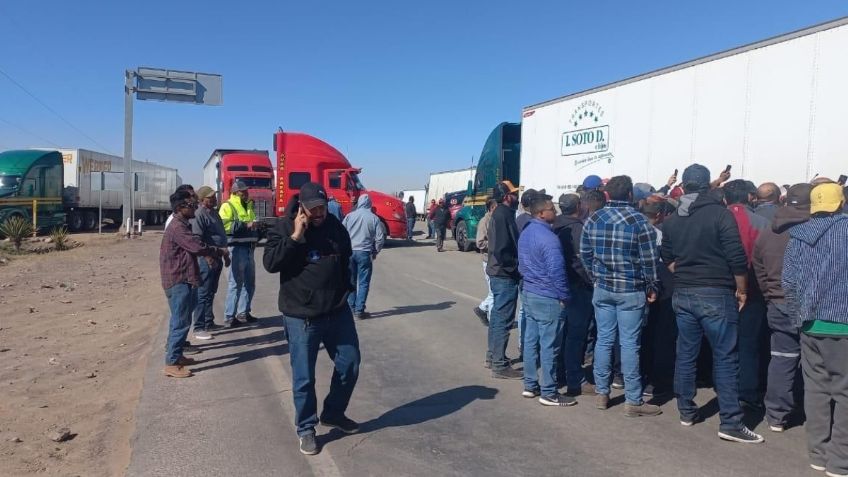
column 9, row 185
column 256, row 182
column 355, row 182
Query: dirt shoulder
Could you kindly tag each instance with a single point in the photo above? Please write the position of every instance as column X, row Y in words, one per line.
column 75, row 333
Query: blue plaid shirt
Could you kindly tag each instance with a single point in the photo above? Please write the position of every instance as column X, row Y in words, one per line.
column 619, row 249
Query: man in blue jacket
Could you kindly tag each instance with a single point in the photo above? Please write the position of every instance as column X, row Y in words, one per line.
column 544, row 296
column 816, row 290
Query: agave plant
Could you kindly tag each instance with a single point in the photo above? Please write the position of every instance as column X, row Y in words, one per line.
column 60, row 237
column 16, row 229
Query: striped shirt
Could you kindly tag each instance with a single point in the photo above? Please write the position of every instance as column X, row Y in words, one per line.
column 619, row 249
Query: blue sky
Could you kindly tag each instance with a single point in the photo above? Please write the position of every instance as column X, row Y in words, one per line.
column 402, row 88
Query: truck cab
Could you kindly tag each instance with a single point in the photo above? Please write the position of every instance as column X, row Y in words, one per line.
column 302, row 158
column 31, row 187
column 253, row 167
column 500, row 160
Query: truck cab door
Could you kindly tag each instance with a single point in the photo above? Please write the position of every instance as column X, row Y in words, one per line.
column 336, row 183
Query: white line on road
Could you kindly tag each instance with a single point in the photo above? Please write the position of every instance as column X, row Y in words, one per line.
column 459, row 294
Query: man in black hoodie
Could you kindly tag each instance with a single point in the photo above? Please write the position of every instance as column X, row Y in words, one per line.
column 783, row 376
column 503, row 274
column 568, row 226
column 311, row 251
column 702, row 247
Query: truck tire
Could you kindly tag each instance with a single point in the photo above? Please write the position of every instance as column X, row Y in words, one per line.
column 75, row 221
column 462, row 241
column 90, row 220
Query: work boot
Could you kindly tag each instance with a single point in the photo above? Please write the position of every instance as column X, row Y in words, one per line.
column 585, row 389
column 644, row 409
column 602, row 401
column 183, row 361
column 176, row 371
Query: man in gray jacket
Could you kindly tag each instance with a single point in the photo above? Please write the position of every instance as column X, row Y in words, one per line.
column 208, row 227
column 366, row 238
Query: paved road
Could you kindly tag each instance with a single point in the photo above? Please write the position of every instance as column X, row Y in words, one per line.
column 426, row 404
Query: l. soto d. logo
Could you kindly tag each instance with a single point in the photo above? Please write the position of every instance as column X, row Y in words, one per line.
column 587, row 132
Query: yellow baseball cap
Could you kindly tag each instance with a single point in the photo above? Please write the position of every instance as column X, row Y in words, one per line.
column 826, row 198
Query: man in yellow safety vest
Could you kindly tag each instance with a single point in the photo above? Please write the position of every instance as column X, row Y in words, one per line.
column 242, row 234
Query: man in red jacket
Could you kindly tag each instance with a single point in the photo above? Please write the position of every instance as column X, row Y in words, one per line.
column 431, row 216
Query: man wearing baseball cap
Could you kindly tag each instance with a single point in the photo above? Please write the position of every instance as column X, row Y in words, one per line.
column 311, row 251
column 239, row 220
column 785, row 337
column 209, row 228
column 816, row 291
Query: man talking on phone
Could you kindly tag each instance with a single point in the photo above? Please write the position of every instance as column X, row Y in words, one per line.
column 311, row 251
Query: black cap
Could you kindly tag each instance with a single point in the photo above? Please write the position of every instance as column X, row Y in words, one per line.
column 568, row 203
column 799, row 195
column 312, row 195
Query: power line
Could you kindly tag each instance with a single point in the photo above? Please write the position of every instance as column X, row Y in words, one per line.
column 55, row 113
column 27, row 131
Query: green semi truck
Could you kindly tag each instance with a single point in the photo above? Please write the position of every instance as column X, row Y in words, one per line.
column 31, row 187
column 499, row 161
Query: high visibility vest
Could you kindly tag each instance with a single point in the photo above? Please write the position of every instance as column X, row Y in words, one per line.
column 233, row 211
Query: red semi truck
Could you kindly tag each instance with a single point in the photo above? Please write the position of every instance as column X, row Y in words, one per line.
column 302, row 158
column 253, row 167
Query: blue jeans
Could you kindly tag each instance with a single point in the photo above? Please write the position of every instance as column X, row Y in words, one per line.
column 410, row 227
column 501, row 317
column 621, row 314
column 544, row 320
column 486, row 304
column 337, row 333
column 360, row 276
column 241, row 281
column 182, row 299
column 431, row 228
column 710, row 312
column 204, row 317
column 579, row 311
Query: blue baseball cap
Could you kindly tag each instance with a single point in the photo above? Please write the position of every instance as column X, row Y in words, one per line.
column 592, row 182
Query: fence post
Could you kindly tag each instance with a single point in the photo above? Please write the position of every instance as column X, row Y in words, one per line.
column 34, row 217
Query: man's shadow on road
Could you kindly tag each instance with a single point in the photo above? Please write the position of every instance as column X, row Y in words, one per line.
column 407, row 309
column 421, row 410
column 274, row 338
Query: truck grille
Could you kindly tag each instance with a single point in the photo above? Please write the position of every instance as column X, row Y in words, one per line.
column 262, row 209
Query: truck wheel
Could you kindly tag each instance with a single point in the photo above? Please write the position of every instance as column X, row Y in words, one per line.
column 90, row 220
column 75, row 221
column 462, row 241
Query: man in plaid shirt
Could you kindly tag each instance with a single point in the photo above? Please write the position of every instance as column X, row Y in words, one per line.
column 619, row 251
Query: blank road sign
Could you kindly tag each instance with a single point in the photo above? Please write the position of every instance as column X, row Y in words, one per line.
column 182, row 86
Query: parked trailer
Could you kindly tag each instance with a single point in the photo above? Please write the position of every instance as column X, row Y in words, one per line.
column 771, row 109
column 155, row 184
column 445, row 182
column 421, row 203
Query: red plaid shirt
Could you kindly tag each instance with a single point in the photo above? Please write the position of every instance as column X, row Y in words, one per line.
column 178, row 254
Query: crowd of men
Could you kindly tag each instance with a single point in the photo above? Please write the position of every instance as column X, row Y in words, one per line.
column 702, row 281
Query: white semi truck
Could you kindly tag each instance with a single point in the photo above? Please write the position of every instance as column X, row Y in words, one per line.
column 773, row 110
column 445, row 182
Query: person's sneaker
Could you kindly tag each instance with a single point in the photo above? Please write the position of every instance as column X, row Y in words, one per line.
column 557, row 400
column 777, row 427
column 343, row 423
column 183, row 361
column 648, row 391
column 361, row 315
column 743, row 435
column 202, row 335
column 176, row 371
column 618, row 382
column 246, row 317
column 585, row 389
column 530, row 393
column 308, row 444
column 602, row 401
column 834, row 474
column 482, row 316
column 189, row 349
column 215, row 327
column 508, row 373
column 644, row 409
column 820, row 468
column 687, row 423
column 232, row 323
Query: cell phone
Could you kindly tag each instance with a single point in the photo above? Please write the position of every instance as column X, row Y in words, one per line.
column 675, row 173
column 842, row 180
column 727, row 169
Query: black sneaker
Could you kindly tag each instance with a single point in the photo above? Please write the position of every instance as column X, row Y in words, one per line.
column 348, row 426
column 188, row 349
column 530, row 393
column 648, row 391
column 508, row 373
column 557, row 400
column 743, row 435
column 233, row 323
column 215, row 327
column 481, row 315
column 246, row 317
column 618, row 382
column 308, row 445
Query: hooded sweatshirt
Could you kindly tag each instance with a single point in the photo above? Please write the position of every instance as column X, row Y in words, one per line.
column 314, row 272
column 770, row 248
column 364, row 227
column 814, row 270
column 568, row 230
column 503, row 244
column 702, row 240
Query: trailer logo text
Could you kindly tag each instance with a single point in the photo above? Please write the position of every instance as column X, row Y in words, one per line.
column 587, row 134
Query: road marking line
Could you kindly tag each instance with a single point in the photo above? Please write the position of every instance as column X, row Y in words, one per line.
column 459, row 294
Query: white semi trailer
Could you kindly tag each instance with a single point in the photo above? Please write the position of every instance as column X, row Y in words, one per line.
column 445, row 182
column 774, row 110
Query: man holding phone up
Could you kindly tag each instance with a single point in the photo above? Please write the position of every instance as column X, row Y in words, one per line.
column 311, row 251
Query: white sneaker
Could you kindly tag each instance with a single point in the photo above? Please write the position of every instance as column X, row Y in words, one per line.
column 776, row 428
column 831, row 474
column 820, row 468
column 202, row 335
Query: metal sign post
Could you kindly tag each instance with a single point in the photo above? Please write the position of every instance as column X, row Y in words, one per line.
column 161, row 85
